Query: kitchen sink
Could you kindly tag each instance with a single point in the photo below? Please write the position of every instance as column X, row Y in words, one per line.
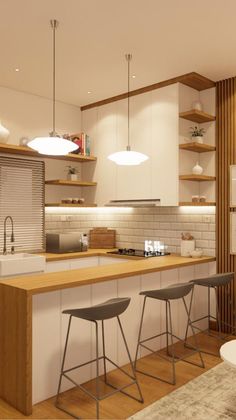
column 22, row 263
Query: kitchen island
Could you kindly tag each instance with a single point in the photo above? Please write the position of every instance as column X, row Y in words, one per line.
column 32, row 329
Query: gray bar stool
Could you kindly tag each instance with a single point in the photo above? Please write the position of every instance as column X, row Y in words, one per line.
column 172, row 292
column 106, row 310
column 213, row 282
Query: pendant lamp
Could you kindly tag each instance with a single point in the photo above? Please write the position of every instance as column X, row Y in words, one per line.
column 128, row 157
column 53, row 144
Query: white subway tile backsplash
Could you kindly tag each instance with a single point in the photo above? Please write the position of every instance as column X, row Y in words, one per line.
column 163, row 223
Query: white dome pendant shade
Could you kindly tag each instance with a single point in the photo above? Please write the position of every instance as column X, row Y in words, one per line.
column 53, row 145
column 128, row 157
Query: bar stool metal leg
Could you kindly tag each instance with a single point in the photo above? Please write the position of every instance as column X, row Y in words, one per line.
column 140, row 332
column 188, row 323
column 209, row 309
column 62, row 368
column 131, row 362
column 194, row 336
column 104, row 353
column 97, row 373
column 172, row 344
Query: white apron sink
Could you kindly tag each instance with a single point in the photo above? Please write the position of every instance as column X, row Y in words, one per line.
column 22, row 263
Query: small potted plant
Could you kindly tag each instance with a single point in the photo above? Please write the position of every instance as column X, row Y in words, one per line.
column 72, row 173
column 197, row 134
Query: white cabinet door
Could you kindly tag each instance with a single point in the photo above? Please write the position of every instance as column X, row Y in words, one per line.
column 104, row 145
column 46, row 331
column 152, row 314
column 130, row 319
column 55, row 266
column 134, row 182
column 83, row 262
column 100, row 293
column 164, row 150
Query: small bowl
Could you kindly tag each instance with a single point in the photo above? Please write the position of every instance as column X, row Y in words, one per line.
column 197, row 253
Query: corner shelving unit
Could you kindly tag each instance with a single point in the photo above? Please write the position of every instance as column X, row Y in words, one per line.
column 197, row 116
column 201, row 184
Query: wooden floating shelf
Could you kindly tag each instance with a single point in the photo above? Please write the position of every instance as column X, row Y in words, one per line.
column 26, row 151
column 197, row 178
column 69, row 205
column 197, row 116
column 197, row 147
column 64, row 182
column 190, row 203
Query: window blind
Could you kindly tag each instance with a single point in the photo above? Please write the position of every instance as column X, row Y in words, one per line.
column 22, row 197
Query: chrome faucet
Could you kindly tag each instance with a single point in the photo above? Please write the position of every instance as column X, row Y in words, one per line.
column 5, row 235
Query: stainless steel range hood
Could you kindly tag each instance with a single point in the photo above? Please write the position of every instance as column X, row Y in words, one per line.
column 154, row 202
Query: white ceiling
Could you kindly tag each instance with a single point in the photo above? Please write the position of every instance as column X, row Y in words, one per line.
column 166, row 37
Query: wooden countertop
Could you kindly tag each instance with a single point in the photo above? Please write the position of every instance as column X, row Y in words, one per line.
column 42, row 283
column 50, row 257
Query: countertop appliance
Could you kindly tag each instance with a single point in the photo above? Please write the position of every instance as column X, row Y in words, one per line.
column 131, row 252
column 64, row 242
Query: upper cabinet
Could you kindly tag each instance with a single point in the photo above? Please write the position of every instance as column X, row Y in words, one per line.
column 154, row 120
column 160, row 121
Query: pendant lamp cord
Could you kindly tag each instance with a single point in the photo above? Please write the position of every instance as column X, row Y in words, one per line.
column 128, row 58
column 54, row 25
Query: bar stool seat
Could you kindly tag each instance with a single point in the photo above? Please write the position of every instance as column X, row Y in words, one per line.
column 167, row 294
column 111, row 308
column 215, row 282
column 106, row 310
column 173, row 291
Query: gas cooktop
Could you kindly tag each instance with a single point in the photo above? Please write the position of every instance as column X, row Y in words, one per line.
column 131, row 252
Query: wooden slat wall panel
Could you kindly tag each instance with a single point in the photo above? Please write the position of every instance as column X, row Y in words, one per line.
column 226, row 156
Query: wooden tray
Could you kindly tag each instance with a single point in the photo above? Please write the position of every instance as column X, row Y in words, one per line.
column 102, row 238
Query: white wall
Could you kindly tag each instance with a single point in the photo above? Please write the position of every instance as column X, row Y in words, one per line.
column 30, row 115
column 27, row 115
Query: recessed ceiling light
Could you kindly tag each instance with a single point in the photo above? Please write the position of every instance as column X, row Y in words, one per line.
column 89, row 91
column 133, row 76
column 17, row 69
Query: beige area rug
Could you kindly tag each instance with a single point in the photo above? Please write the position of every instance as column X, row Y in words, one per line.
column 211, row 396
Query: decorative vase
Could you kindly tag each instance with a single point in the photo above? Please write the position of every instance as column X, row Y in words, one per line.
column 72, row 177
column 197, row 139
column 197, row 105
column 4, row 134
column 197, row 169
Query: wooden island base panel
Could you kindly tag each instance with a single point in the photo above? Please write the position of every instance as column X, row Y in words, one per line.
column 16, row 312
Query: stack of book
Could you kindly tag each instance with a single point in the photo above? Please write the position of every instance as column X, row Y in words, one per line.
column 84, row 143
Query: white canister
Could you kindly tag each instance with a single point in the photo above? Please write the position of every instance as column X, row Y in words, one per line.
column 186, row 247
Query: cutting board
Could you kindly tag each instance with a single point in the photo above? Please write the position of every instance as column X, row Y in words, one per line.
column 102, row 238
